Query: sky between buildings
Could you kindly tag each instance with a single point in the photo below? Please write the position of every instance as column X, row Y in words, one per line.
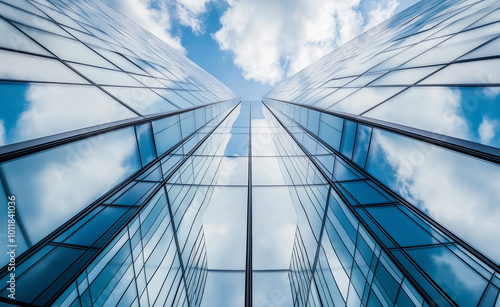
column 251, row 45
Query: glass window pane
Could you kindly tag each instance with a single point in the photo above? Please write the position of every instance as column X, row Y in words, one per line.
column 348, row 135
column 32, row 20
column 405, row 76
column 174, row 98
column 106, row 76
column 233, row 171
column 68, row 49
column 365, row 99
column 11, row 70
column 143, row 100
column 477, row 72
column 363, row 136
column 364, row 193
column 53, row 185
column 274, row 223
column 455, row 190
column 334, row 97
column 31, row 110
column 167, row 133
column 224, row 289
column 12, row 38
column 266, row 171
column 46, row 272
column 224, row 224
column 96, row 227
column 271, row 289
column 145, row 141
column 136, row 192
column 405, row 231
column 451, row 274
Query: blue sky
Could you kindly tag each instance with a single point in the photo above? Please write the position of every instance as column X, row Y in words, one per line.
column 251, row 45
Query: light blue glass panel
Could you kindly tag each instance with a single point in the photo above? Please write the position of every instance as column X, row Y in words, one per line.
column 96, row 227
column 11, row 70
column 405, row 76
column 364, row 99
column 266, row 171
column 31, row 110
column 274, row 224
column 12, row 38
column 271, row 289
column 470, row 113
column 32, row 20
column 330, row 130
column 174, row 98
column 106, row 76
column 363, row 136
column 68, row 49
column 224, row 289
column 146, row 146
column 167, row 133
column 232, row 171
column 143, row 100
column 224, row 225
column 455, row 190
column 334, row 97
column 235, row 144
column 348, row 136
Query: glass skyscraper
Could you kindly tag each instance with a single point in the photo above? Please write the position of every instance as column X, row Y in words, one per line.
column 131, row 177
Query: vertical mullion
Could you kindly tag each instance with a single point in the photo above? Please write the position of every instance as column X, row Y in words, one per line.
column 248, row 271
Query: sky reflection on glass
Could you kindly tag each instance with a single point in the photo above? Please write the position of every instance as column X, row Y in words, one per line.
column 31, row 110
column 63, row 181
column 459, row 192
column 470, row 113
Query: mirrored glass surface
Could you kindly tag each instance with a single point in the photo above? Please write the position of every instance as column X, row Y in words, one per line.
column 470, row 113
column 143, row 100
column 272, row 289
column 224, row 289
column 54, row 185
column 266, row 171
column 274, row 222
column 457, row 191
column 11, row 70
column 33, row 110
column 224, row 224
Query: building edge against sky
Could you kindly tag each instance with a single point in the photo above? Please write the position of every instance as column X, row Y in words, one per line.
column 369, row 178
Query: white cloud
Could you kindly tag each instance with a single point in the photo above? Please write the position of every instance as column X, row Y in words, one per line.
column 487, row 130
column 271, row 39
column 156, row 19
column 189, row 14
column 381, row 11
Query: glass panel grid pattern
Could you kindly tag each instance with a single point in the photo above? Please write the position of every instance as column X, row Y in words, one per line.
column 170, row 192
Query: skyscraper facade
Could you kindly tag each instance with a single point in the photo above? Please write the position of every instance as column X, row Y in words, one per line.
column 134, row 178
